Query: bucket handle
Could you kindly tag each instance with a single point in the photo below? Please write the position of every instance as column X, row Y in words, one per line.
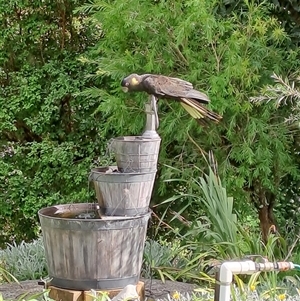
column 110, row 146
column 126, row 196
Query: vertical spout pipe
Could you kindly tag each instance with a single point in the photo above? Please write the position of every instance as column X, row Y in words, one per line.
column 152, row 121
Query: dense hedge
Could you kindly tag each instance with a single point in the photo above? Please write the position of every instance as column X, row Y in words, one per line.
column 49, row 137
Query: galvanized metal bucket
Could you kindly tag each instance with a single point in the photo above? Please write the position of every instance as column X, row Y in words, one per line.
column 84, row 254
column 136, row 153
column 122, row 194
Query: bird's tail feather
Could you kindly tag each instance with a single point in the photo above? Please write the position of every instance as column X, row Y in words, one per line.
column 199, row 112
column 197, row 96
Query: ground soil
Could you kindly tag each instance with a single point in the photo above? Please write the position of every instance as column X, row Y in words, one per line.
column 154, row 289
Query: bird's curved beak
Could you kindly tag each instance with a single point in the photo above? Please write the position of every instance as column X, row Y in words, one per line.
column 125, row 89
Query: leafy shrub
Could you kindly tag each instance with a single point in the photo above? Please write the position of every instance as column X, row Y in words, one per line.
column 49, row 138
column 229, row 50
column 25, row 261
column 35, row 297
column 163, row 259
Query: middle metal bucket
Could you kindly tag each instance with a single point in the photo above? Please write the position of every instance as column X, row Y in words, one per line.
column 122, row 194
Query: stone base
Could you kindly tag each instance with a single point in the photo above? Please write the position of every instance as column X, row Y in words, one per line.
column 60, row 294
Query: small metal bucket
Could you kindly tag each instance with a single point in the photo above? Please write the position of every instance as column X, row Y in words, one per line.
column 136, row 153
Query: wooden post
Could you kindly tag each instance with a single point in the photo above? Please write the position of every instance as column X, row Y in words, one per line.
column 217, row 286
column 140, row 289
column 60, row 294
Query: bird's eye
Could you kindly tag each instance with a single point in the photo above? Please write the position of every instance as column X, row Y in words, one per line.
column 127, row 84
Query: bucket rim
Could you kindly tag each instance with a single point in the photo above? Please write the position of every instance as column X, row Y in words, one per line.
column 118, row 174
column 89, row 206
column 136, row 139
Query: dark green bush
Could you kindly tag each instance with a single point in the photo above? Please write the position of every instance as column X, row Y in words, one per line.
column 49, row 137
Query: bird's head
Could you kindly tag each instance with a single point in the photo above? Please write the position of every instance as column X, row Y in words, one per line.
column 132, row 83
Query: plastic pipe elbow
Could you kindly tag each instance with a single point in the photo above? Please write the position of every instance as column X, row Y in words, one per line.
column 229, row 268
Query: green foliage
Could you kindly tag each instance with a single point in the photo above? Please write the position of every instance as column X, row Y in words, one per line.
column 57, row 114
column 162, row 255
column 49, row 137
column 227, row 50
column 99, row 296
column 219, row 209
column 267, row 286
column 5, row 275
column 25, row 261
column 170, row 260
column 284, row 94
column 216, row 228
column 35, row 297
column 217, row 235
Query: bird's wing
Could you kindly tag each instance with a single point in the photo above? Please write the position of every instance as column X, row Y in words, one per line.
column 174, row 87
column 156, row 79
column 198, row 111
column 181, row 82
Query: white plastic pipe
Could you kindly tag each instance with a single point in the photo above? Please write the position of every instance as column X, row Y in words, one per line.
column 227, row 270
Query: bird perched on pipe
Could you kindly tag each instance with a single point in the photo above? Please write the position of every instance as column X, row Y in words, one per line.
column 165, row 87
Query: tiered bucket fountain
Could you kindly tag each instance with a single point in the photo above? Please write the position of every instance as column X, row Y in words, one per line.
column 125, row 189
column 100, row 245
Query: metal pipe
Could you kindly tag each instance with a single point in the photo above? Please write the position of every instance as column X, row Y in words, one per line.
column 217, row 286
column 152, row 121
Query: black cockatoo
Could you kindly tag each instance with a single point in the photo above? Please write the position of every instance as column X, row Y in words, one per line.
column 161, row 86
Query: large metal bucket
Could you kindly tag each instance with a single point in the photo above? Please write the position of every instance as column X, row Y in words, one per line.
column 84, row 254
column 136, row 153
column 122, row 193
